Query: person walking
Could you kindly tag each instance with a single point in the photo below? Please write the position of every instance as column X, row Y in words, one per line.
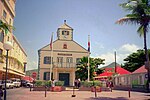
column 53, row 84
column 79, row 82
column 76, row 83
column 1, row 92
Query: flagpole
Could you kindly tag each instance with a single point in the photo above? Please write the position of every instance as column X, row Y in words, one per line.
column 51, row 47
column 115, row 62
column 88, row 58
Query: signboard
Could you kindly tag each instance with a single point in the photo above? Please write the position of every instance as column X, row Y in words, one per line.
column 34, row 75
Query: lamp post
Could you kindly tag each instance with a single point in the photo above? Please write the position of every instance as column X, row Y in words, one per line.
column 7, row 46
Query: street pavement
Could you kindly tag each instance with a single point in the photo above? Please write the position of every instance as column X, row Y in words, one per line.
column 26, row 94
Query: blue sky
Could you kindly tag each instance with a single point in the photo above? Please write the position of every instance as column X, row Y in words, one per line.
column 36, row 19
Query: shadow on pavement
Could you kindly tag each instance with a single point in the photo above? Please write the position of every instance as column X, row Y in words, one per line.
column 107, row 98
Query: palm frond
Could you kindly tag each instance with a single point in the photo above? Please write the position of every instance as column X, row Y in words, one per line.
column 127, row 6
column 128, row 20
column 141, row 30
column 6, row 27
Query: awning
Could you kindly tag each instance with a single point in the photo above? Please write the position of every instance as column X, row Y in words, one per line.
column 28, row 78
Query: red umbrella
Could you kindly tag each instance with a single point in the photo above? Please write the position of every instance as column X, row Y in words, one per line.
column 28, row 78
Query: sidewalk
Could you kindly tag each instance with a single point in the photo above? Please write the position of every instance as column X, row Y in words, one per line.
column 80, row 95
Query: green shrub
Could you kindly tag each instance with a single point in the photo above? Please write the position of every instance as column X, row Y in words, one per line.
column 91, row 83
column 38, row 83
column 97, row 83
column 47, row 83
column 59, row 83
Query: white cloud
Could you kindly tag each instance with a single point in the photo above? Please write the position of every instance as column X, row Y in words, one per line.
column 121, row 53
column 32, row 65
column 129, row 48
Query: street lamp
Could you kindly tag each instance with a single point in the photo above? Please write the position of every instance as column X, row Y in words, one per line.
column 7, row 46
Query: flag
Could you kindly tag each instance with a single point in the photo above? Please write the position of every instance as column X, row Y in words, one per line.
column 89, row 43
column 51, row 42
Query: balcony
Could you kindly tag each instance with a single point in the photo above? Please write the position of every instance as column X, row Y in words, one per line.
column 64, row 65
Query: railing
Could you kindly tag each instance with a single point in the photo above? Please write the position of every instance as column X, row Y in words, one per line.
column 64, row 65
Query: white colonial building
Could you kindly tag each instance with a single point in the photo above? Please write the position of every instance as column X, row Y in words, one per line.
column 65, row 55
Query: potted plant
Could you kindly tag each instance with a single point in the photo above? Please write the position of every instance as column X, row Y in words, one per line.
column 58, row 86
column 96, row 86
column 85, row 86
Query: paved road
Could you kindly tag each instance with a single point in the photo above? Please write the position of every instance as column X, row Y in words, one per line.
column 25, row 94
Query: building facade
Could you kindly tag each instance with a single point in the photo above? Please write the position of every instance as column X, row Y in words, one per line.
column 17, row 57
column 65, row 55
column 136, row 80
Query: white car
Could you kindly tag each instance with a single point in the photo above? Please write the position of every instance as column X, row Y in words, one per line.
column 16, row 82
column 28, row 84
column 9, row 84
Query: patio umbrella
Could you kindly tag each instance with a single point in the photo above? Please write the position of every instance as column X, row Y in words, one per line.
column 28, row 78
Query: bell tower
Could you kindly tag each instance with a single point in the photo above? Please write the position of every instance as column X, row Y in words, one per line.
column 65, row 32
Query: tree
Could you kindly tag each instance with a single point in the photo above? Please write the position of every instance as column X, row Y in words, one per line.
column 82, row 67
column 140, row 15
column 135, row 60
column 6, row 27
column 98, row 62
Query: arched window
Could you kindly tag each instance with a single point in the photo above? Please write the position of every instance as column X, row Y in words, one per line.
column 65, row 46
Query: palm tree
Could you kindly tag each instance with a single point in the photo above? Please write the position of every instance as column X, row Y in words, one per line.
column 82, row 68
column 6, row 27
column 140, row 15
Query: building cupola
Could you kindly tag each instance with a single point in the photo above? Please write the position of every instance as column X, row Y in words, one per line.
column 65, row 32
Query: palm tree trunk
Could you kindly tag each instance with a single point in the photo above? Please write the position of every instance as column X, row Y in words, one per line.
column 147, row 62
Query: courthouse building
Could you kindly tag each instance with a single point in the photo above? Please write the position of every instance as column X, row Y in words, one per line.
column 65, row 55
column 17, row 57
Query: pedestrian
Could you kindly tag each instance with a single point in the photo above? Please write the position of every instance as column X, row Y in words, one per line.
column 111, row 85
column 53, row 84
column 76, row 83
column 79, row 82
column 1, row 92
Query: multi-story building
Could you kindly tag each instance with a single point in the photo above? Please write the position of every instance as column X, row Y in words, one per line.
column 65, row 55
column 17, row 57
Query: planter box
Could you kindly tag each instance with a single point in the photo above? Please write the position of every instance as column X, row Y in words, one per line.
column 105, row 89
column 56, row 89
column 40, row 88
column 82, row 88
column 98, row 89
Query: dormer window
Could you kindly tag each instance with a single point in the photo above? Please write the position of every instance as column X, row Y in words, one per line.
column 65, row 32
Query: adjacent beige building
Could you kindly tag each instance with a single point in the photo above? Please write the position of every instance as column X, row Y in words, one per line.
column 65, row 55
column 17, row 56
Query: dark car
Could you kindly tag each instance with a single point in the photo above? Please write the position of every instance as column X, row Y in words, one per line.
column 24, row 83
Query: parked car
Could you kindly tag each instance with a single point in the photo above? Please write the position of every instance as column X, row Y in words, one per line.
column 29, row 84
column 26, row 83
column 16, row 82
column 9, row 84
column 1, row 84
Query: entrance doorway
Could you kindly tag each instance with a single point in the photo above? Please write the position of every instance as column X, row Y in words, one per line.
column 64, row 77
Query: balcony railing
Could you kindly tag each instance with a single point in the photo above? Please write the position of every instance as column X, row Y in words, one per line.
column 64, row 65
